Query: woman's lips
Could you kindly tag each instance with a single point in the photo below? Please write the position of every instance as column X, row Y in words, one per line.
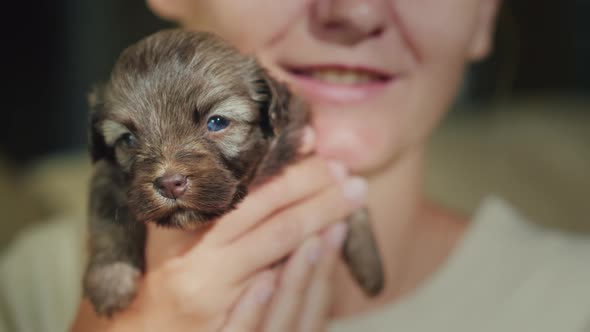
column 337, row 84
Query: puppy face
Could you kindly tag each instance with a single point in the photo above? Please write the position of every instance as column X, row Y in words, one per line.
column 187, row 120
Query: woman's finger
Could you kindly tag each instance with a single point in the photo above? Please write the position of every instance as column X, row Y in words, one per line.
column 286, row 303
column 248, row 313
column 318, row 295
column 310, row 176
column 284, row 232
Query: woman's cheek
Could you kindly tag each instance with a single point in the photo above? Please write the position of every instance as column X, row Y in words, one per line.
column 249, row 25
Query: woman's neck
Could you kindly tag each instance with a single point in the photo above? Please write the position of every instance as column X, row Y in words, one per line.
column 415, row 236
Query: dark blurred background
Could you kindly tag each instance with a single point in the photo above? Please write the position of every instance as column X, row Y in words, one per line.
column 53, row 56
column 55, row 50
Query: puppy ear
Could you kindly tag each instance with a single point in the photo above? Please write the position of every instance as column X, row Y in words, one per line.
column 97, row 146
column 279, row 98
column 274, row 99
column 283, row 116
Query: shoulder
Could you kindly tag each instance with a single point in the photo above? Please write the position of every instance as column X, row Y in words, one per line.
column 544, row 271
column 39, row 269
column 498, row 217
column 506, row 274
column 549, row 247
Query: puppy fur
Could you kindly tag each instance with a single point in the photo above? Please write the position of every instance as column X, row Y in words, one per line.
column 151, row 120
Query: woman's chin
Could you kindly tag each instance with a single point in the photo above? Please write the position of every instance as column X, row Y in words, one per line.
column 359, row 154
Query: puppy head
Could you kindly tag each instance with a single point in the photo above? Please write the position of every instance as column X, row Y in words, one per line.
column 187, row 119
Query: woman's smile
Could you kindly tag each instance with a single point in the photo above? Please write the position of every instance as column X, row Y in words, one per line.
column 338, row 83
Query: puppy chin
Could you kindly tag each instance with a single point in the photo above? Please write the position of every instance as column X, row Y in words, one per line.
column 178, row 214
column 186, row 219
column 200, row 205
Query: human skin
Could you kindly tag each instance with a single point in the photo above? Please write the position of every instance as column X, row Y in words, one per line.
column 378, row 128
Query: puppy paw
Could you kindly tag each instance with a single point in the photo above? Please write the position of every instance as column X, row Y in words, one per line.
column 111, row 287
column 362, row 255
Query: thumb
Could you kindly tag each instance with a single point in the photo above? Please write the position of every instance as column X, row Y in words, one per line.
column 163, row 244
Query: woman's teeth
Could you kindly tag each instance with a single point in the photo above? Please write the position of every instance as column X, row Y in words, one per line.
column 345, row 77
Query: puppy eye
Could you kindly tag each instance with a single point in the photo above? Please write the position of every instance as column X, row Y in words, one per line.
column 217, row 123
column 128, row 140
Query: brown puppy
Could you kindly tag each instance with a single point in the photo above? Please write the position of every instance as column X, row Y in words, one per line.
column 183, row 128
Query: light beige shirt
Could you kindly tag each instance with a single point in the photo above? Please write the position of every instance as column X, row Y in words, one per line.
column 506, row 275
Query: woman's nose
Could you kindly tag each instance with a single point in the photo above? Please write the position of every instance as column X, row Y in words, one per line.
column 349, row 22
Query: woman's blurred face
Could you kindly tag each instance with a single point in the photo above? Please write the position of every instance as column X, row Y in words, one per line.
column 378, row 74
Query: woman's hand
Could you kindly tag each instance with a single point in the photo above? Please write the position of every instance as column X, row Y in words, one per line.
column 193, row 280
column 302, row 296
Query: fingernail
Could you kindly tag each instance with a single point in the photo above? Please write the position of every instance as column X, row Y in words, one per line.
column 307, row 139
column 336, row 235
column 338, row 170
column 265, row 290
column 356, row 189
column 314, row 250
column 259, row 293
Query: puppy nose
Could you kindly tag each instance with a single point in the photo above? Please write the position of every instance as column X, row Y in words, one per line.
column 171, row 186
